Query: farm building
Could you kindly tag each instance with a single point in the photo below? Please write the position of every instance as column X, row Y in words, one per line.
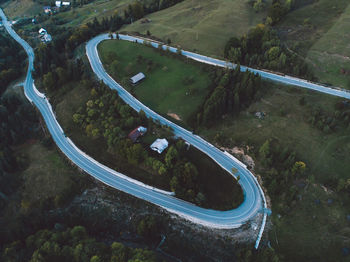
column 159, row 145
column 137, row 132
column 137, row 78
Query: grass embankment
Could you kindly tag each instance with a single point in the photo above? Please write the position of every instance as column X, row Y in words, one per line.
column 172, row 86
column 319, row 32
column 210, row 175
column 315, row 223
column 201, row 25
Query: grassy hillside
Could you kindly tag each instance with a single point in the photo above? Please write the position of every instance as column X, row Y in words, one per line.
column 202, row 25
column 73, row 17
column 319, row 32
column 331, row 53
column 165, row 89
column 21, row 8
column 99, row 9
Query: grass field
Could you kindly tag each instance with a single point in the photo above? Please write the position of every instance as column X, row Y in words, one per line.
column 47, row 178
column 320, row 33
column 164, row 89
column 332, row 53
column 201, row 25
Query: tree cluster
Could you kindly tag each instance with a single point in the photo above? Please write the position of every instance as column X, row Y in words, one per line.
column 12, row 59
column 234, row 90
column 72, row 244
column 261, row 48
column 106, row 115
column 282, row 169
column 280, row 8
column 17, row 123
column 329, row 122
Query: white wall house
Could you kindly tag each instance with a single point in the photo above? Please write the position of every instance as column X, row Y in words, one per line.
column 159, row 145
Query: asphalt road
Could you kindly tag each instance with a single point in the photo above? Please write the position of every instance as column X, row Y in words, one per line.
column 253, row 200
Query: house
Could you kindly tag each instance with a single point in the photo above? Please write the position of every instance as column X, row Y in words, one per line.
column 137, row 132
column 47, row 9
column 42, row 31
column 137, row 78
column 159, row 145
column 66, row 3
column 47, row 38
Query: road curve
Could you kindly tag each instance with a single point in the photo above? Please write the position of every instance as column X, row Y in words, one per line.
column 253, row 195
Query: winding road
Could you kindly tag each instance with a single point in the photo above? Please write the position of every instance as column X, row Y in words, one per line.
column 254, row 199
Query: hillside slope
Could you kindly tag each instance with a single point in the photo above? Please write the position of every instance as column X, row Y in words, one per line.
column 202, row 25
column 319, row 32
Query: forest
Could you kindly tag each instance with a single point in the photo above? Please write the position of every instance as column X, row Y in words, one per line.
column 18, row 123
column 71, row 244
column 12, row 61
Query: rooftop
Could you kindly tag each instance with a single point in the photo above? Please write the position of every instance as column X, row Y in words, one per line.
column 159, row 145
column 137, row 78
column 137, row 132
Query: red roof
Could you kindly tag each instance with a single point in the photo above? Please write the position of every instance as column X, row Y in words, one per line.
column 135, row 134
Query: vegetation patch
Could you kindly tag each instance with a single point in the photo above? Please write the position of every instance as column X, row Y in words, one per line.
column 72, row 244
column 11, row 62
column 303, row 165
column 261, row 48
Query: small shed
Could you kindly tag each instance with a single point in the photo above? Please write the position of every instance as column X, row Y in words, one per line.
column 58, row 3
column 137, row 78
column 137, row 132
column 66, row 3
column 159, row 145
